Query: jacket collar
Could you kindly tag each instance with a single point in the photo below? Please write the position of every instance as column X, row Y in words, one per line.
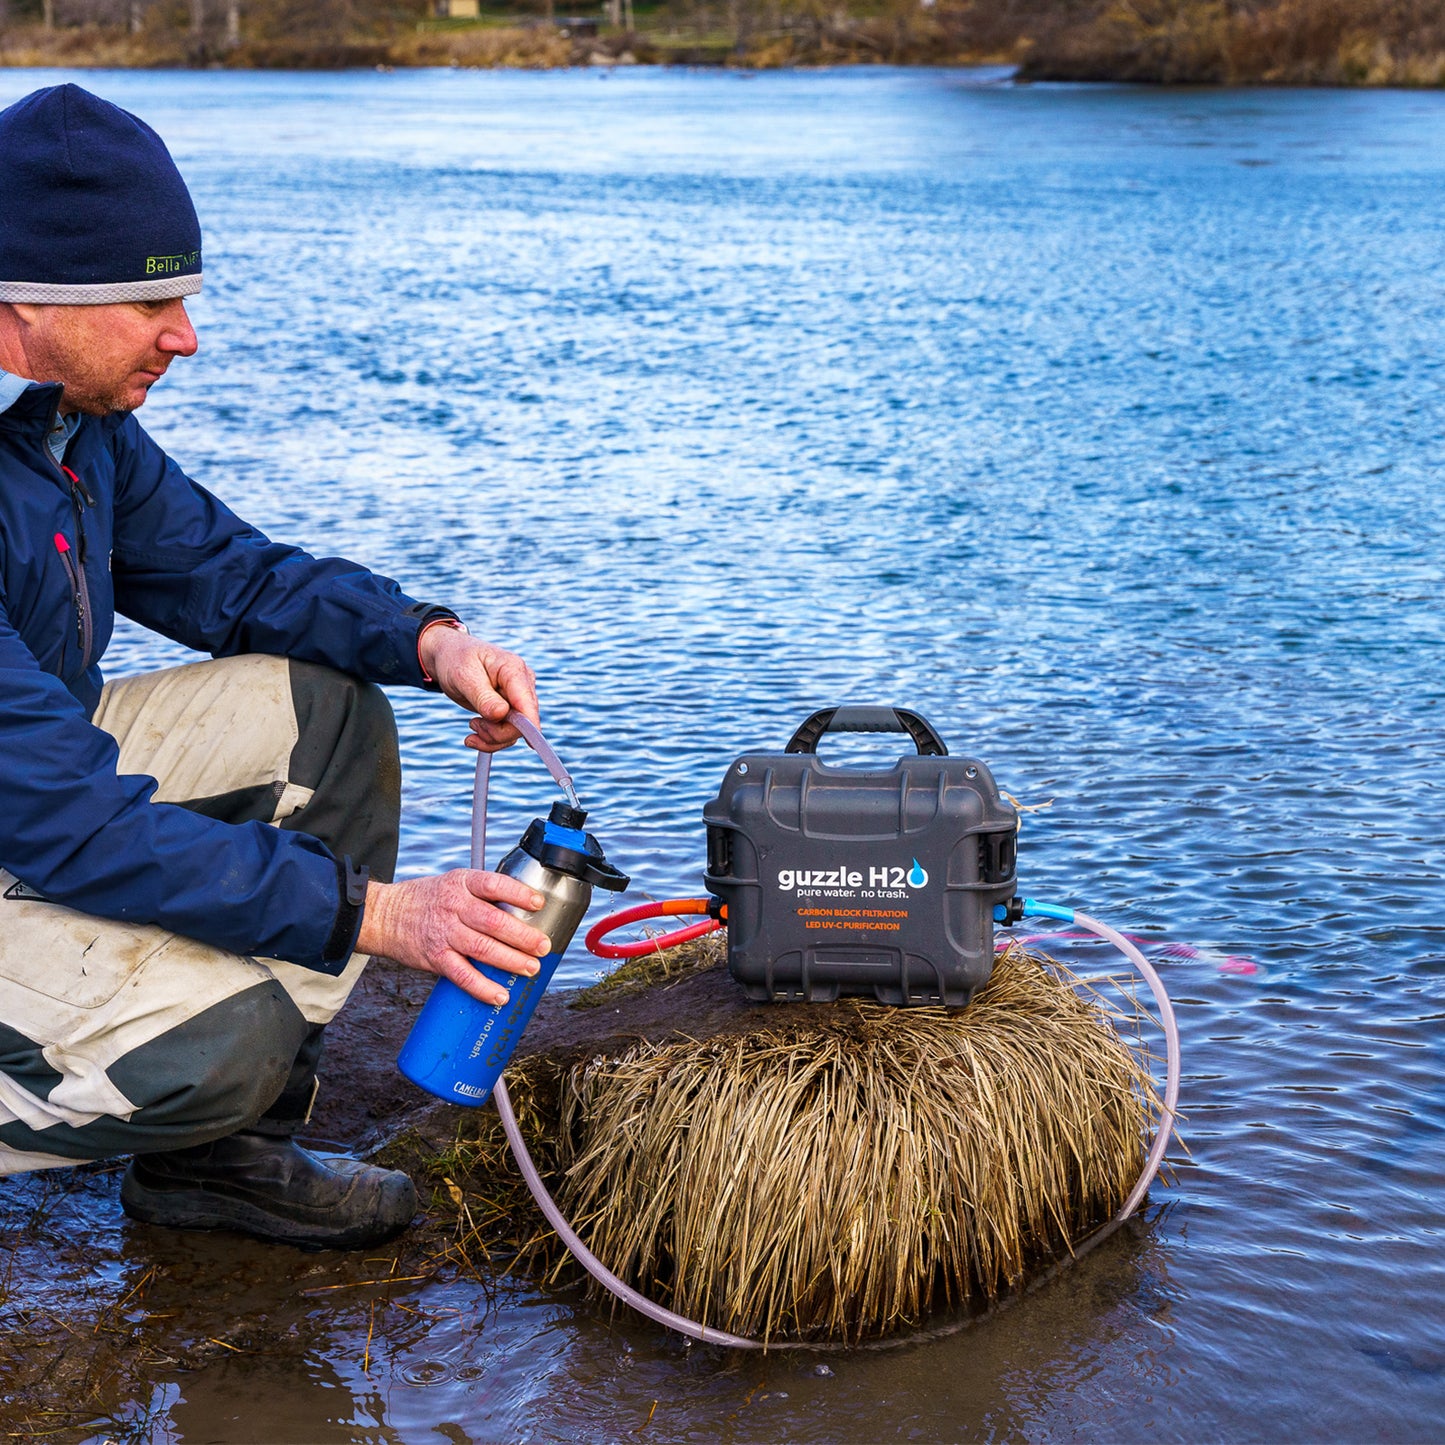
column 32, row 413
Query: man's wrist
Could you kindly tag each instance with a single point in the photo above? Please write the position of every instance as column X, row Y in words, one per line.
column 372, row 936
column 452, row 623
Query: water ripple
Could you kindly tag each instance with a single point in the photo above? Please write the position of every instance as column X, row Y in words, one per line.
column 1035, row 409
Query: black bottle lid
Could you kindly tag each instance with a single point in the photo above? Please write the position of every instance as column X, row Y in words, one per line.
column 566, row 816
column 555, row 844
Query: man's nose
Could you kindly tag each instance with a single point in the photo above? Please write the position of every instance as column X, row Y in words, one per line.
column 178, row 336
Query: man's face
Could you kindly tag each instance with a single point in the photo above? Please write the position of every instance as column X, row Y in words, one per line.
column 106, row 357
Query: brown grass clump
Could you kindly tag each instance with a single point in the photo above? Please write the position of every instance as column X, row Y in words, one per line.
column 829, row 1172
column 516, row 47
column 844, row 1176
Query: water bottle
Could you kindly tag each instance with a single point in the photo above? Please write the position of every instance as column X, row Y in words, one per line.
column 459, row 1046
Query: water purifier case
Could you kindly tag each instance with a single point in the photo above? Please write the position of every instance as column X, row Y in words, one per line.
column 850, row 881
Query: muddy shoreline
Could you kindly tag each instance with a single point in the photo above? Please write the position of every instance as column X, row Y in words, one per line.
column 95, row 1308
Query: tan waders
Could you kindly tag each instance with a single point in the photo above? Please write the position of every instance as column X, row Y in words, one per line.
column 125, row 1039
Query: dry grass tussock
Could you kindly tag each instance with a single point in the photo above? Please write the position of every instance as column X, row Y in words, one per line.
column 843, row 1175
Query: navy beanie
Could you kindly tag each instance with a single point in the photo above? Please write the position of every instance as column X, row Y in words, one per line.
column 92, row 207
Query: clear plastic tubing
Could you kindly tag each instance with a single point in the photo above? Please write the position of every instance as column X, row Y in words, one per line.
column 545, row 1203
column 1167, row 1022
column 706, row 1333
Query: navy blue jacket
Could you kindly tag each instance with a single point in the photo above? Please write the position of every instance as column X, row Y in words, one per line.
column 130, row 532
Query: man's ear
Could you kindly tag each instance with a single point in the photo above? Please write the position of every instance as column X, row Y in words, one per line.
column 26, row 312
column 13, row 326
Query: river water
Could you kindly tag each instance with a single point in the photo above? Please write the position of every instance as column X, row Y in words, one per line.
column 1098, row 424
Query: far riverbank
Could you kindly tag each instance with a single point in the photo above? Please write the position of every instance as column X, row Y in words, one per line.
column 1370, row 43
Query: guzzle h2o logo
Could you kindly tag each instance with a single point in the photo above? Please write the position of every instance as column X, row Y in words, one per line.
column 885, row 877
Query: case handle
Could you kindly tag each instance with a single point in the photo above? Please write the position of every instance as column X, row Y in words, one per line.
column 868, row 720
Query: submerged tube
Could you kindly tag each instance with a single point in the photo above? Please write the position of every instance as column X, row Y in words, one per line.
column 693, row 1328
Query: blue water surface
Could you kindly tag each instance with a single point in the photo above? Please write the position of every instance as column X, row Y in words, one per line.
column 1101, row 425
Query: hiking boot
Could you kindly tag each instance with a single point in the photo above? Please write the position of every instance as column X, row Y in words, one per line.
column 270, row 1188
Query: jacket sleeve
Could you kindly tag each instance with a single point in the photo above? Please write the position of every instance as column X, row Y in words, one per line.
column 84, row 835
column 186, row 566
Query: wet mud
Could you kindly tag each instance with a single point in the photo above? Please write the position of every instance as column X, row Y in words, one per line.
column 98, row 1313
column 95, row 1308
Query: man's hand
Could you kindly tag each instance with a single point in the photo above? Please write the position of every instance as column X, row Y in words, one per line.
column 485, row 679
column 438, row 924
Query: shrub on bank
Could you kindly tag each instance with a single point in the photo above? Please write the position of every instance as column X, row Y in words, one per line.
column 1242, row 42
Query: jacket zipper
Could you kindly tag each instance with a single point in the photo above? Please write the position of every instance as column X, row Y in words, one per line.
column 77, row 592
column 75, row 567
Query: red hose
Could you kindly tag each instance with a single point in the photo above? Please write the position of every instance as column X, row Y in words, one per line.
column 669, row 908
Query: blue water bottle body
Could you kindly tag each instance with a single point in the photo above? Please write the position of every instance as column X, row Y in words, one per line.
column 459, row 1046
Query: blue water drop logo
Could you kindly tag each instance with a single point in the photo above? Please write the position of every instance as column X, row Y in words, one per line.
column 917, row 876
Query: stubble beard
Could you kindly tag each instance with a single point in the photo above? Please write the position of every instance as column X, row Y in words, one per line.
column 93, row 402
column 70, row 361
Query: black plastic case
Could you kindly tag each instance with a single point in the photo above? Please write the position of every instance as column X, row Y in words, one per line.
column 841, row 881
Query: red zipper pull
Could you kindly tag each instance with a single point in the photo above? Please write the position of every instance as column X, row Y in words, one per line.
column 61, row 545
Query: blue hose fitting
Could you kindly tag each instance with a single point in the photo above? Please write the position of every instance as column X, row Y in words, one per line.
column 1017, row 908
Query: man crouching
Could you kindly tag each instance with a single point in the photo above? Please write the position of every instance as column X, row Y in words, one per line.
column 195, row 864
